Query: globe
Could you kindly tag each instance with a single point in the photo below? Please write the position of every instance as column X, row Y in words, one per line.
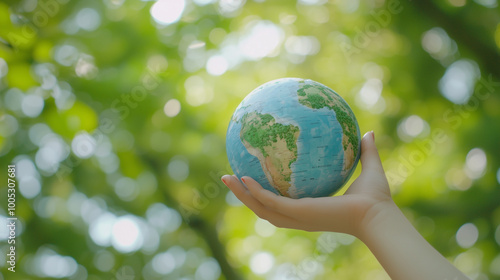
column 296, row 137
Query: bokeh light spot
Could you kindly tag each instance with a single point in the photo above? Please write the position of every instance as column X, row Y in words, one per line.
column 172, row 108
column 100, row 229
column 83, row 145
column 458, row 82
column 209, row 269
column 217, row 65
column 8, row 125
column 32, row 105
column 104, row 260
column 178, row 168
column 261, row 262
column 467, row 235
column 29, row 187
column 163, row 218
column 166, row 12
column 475, row 163
column 261, row 39
column 126, row 234
column 88, row 19
column 163, row 263
column 412, row 127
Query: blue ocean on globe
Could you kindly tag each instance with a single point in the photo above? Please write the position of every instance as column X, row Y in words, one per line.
column 296, row 137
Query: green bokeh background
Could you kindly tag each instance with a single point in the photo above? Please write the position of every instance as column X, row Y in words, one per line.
column 116, row 123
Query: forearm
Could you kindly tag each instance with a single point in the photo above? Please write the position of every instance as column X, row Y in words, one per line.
column 401, row 250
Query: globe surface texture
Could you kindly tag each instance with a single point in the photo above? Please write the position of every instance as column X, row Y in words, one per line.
column 296, row 137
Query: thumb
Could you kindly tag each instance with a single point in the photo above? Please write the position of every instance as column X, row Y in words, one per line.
column 370, row 159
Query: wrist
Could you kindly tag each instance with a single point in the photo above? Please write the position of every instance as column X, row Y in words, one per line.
column 378, row 218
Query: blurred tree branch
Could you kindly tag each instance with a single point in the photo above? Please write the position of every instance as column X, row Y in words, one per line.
column 464, row 34
column 197, row 223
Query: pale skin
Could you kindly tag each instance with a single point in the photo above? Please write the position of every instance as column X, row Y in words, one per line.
column 366, row 211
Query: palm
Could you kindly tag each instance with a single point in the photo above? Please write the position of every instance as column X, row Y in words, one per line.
column 339, row 213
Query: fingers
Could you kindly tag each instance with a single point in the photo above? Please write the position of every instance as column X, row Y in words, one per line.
column 370, row 159
column 309, row 211
column 271, row 200
column 245, row 196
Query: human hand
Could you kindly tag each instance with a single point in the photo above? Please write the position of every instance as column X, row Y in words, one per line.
column 349, row 213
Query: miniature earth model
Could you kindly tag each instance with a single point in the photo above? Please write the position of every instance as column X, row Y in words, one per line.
column 296, row 137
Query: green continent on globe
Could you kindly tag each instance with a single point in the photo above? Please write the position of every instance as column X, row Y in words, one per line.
column 317, row 97
column 274, row 144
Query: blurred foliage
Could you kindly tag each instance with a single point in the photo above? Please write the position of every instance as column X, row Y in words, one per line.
column 115, row 113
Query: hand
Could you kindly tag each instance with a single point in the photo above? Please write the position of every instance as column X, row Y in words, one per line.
column 349, row 213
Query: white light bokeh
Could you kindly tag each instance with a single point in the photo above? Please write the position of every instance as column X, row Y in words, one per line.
column 458, row 82
column 178, row 168
column 163, row 218
column 8, row 125
column 412, row 127
column 29, row 187
column 230, row 8
column 32, row 105
column 261, row 39
column 100, row 229
column 163, row 263
column 467, row 235
column 261, row 262
column 370, row 97
column 172, row 108
column 92, row 208
column 126, row 234
column 166, row 12
column 63, row 96
column 438, row 44
column 109, row 163
column 475, row 163
column 25, row 167
column 126, row 188
column 48, row 263
column 85, row 67
column 217, row 65
column 83, row 145
column 209, row 269
column 88, row 19
column 13, row 99
column 66, row 55
column 37, row 132
column 52, row 151
column 104, row 260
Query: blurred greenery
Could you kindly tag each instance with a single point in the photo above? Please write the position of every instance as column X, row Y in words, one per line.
column 115, row 112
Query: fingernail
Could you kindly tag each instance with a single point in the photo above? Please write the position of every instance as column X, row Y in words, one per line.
column 223, row 181
column 243, row 180
column 373, row 135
